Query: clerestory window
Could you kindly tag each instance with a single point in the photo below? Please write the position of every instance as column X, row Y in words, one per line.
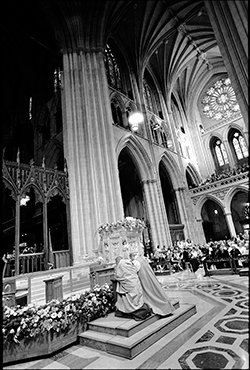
column 112, row 69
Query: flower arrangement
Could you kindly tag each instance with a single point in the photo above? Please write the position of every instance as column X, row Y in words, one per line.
column 128, row 223
column 56, row 316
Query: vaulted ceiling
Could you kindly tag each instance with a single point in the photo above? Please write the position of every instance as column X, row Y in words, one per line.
column 174, row 40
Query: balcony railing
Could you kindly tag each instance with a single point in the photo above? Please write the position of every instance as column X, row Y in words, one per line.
column 239, row 178
column 61, row 259
column 34, row 262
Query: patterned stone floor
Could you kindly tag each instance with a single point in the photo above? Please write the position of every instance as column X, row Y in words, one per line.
column 216, row 337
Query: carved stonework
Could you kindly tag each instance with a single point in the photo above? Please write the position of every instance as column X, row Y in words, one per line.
column 46, row 182
column 195, row 200
column 119, row 239
column 221, row 194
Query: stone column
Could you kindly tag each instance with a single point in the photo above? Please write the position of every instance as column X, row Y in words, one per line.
column 200, row 234
column 229, row 153
column 229, row 20
column 230, row 224
column 95, row 195
column 157, row 218
column 185, row 207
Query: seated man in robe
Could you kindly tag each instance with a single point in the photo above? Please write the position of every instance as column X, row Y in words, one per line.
column 130, row 303
column 153, row 293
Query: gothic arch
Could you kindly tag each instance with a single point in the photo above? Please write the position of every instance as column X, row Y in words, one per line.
column 114, row 96
column 232, row 127
column 203, row 200
column 37, row 191
column 172, row 169
column 138, row 154
column 193, row 174
column 56, row 191
column 229, row 196
column 9, row 185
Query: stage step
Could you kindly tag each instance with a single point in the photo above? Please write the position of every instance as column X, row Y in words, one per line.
column 244, row 271
column 140, row 334
column 117, row 325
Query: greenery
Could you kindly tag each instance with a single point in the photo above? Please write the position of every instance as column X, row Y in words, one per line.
column 128, row 223
column 56, row 316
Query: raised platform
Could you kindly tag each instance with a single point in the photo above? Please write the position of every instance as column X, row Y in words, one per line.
column 244, row 271
column 128, row 338
column 226, row 271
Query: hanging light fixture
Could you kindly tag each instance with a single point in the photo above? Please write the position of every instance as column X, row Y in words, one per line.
column 134, row 119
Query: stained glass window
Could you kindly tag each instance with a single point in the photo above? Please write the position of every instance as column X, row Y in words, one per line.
column 112, row 69
column 57, row 79
column 221, row 153
column 220, row 102
column 147, row 96
column 30, row 108
column 239, row 145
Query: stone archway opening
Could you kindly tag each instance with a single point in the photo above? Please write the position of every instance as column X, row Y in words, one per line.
column 131, row 189
column 213, row 222
column 171, row 205
column 240, row 211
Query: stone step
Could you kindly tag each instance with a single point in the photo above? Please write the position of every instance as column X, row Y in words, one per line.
column 129, row 347
column 225, row 271
column 244, row 271
column 117, row 326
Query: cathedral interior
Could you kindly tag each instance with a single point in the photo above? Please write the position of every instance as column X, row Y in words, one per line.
column 128, row 108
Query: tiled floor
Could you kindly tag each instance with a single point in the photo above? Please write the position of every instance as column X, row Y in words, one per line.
column 216, row 337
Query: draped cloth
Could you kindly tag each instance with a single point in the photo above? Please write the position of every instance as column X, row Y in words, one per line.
column 130, row 301
column 153, row 293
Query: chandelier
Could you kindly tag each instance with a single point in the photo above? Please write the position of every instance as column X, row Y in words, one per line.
column 220, row 101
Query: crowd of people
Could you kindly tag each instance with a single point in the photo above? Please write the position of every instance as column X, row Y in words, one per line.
column 223, row 175
column 185, row 253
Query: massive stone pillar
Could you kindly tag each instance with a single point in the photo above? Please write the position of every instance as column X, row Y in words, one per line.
column 230, row 224
column 186, row 210
column 229, row 20
column 95, row 196
column 157, row 218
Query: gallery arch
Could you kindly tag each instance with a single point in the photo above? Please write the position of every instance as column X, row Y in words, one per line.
column 213, row 221
column 130, row 183
column 239, row 208
column 171, row 205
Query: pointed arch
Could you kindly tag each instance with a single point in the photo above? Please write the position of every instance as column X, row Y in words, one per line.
column 229, row 196
column 193, row 173
column 139, row 155
column 37, row 191
column 203, row 200
column 172, row 169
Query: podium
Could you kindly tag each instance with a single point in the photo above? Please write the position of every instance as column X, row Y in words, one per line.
column 101, row 274
column 120, row 239
column 53, row 288
column 9, row 292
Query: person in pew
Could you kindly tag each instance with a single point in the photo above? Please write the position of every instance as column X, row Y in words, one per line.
column 153, row 293
column 235, row 254
column 130, row 303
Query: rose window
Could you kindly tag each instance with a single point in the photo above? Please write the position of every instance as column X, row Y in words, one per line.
column 220, row 101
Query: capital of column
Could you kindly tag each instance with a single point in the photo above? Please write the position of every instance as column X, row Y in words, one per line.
column 146, row 182
column 83, row 50
column 181, row 188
